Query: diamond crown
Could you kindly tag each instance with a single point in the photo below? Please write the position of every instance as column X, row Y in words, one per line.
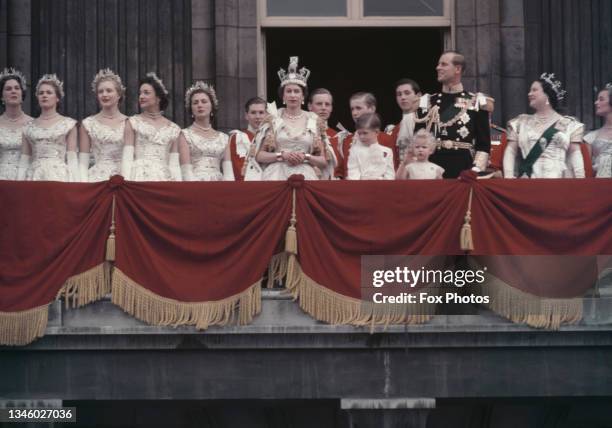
column 103, row 74
column 208, row 89
column 292, row 75
column 14, row 73
column 52, row 78
column 154, row 76
column 555, row 84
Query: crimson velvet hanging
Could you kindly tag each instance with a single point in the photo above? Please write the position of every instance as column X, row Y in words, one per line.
column 193, row 253
column 554, row 229
column 52, row 243
column 337, row 224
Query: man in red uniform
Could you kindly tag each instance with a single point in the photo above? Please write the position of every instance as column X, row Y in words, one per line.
column 361, row 103
column 321, row 102
column 240, row 141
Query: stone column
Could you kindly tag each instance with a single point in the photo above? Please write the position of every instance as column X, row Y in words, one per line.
column 3, row 33
column 491, row 34
column 18, row 39
column 513, row 71
column 388, row 413
column 236, row 59
column 203, row 40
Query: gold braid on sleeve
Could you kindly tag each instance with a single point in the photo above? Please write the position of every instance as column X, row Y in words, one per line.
column 269, row 142
column 320, row 136
column 431, row 118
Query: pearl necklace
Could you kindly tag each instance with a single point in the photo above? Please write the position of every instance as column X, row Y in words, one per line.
column 201, row 128
column 290, row 117
column 542, row 120
column 53, row 116
column 109, row 117
column 151, row 115
column 14, row 119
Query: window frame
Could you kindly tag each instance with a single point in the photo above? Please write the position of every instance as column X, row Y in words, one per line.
column 355, row 18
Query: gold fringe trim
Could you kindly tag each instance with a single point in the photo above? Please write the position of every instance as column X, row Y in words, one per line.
column 156, row 310
column 110, row 242
column 86, row 287
column 291, row 234
column 277, row 269
column 333, row 308
column 22, row 328
column 524, row 308
column 466, row 240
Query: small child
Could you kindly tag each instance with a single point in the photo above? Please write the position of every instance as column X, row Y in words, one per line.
column 416, row 164
column 368, row 160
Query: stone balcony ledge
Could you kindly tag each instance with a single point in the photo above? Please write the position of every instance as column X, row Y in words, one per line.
column 283, row 325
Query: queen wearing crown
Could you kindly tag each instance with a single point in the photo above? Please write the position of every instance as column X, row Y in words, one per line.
column 102, row 134
column 291, row 140
column 545, row 144
column 12, row 122
column 204, row 152
column 51, row 139
column 150, row 150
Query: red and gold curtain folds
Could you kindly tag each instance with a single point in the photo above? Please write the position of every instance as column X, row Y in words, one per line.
column 52, row 242
column 553, row 229
column 337, row 224
column 186, row 253
column 193, row 253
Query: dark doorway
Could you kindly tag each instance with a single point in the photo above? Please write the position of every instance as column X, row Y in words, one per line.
column 348, row 60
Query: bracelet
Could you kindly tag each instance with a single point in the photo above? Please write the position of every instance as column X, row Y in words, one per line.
column 279, row 156
column 307, row 157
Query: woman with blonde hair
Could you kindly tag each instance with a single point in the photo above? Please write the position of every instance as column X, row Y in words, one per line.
column 102, row 134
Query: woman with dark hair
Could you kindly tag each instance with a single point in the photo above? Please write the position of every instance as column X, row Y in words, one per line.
column 150, row 151
column 407, row 96
column 12, row 122
column 291, row 140
column 103, row 132
column 204, row 152
column 599, row 142
column 50, row 139
column 544, row 144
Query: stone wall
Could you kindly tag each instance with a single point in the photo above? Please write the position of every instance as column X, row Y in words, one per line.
column 235, row 58
column 490, row 33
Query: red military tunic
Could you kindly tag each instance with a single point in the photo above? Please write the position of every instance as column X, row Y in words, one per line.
column 239, row 155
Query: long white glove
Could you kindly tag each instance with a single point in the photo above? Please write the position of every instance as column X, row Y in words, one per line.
column 24, row 164
column 187, row 172
column 510, row 159
column 228, row 171
column 73, row 167
column 576, row 162
column 84, row 166
column 175, row 167
column 127, row 159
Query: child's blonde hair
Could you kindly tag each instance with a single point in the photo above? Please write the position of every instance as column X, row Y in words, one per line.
column 428, row 136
